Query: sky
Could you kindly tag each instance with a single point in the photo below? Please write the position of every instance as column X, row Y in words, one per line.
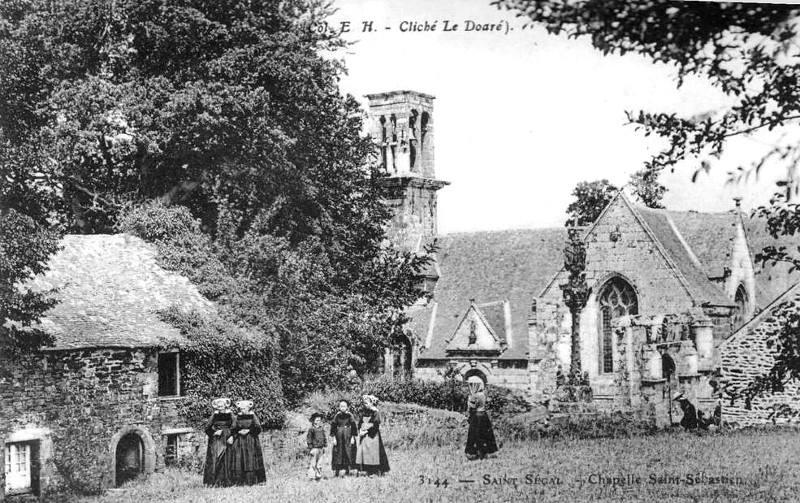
column 522, row 116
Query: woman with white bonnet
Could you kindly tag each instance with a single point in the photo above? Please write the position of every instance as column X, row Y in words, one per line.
column 219, row 430
column 247, row 458
column 480, row 437
column 371, row 455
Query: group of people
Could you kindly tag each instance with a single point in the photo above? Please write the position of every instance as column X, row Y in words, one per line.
column 692, row 418
column 234, row 455
column 357, row 444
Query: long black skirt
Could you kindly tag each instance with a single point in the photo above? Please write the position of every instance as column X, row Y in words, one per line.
column 480, row 438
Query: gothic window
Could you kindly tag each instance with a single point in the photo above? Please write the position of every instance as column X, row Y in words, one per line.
column 741, row 302
column 617, row 298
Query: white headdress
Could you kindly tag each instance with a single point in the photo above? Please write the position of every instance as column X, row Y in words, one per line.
column 475, row 384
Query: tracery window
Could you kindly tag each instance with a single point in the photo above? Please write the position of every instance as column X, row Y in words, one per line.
column 617, row 298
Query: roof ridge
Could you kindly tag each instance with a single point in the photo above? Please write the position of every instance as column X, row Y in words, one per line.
column 497, row 231
column 660, row 247
column 683, row 243
column 761, row 315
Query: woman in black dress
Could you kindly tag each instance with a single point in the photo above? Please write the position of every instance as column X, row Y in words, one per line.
column 371, row 455
column 343, row 431
column 247, row 458
column 480, row 437
column 219, row 430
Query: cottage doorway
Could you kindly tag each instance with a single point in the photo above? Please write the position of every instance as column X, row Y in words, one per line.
column 671, row 385
column 129, row 457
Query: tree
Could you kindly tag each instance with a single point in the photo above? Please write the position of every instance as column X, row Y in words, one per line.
column 749, row 52
column 228, row 115
column 591, row 198
column 24, row 250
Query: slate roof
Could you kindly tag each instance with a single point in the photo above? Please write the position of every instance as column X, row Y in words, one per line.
column 709, row 235
column 771, row 281
column 684, row 258
column 488, row 267
column 109, row 288
column 495, row 315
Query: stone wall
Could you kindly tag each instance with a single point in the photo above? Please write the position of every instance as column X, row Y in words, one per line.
column 617, row 245
column 508, row 374
column 78, row 404
column 746, row 356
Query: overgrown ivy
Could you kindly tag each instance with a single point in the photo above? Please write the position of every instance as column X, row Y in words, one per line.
column 222, row 359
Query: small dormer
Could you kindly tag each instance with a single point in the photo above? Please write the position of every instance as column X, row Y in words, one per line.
column 484, row 330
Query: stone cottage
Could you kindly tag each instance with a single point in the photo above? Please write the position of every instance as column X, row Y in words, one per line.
column 667, row 288
column 102, row 405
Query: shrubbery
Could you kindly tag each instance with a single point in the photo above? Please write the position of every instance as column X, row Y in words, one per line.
column 448, row 395
column 532, row 426
column 221, row 358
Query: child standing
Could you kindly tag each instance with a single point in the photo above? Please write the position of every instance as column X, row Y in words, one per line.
column 317, row 441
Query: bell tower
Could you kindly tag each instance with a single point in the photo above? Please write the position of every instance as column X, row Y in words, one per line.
column 401, row 124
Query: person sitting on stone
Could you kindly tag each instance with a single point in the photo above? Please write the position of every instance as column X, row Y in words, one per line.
column 689, row 420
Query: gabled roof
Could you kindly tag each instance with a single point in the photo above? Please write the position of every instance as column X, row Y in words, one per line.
column 672, row 246
column 790, row 293
column 109, row 289
column 709, row 235
column 488, row 267
column 459, row 342
column 771, row 280
column 697, row 282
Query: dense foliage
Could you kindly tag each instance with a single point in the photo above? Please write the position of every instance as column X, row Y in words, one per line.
column 224, row 359
column 284, row 293
column 447, row 394
column 590, row 200
column 25, row 247
column 218, row 131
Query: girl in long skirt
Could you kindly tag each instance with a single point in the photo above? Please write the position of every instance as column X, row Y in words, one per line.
column 343, row 431
column 371, row 455
column 247, row 458
column 219, row 430
column 480, row 437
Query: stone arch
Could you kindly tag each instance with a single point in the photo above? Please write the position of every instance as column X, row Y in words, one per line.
column 148, row 447
column 742, row 300
column 616, row 297
column 607, row 277
column 476, row 372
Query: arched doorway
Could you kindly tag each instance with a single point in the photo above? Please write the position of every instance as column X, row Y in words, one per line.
column 671, row 385
column 129, row 458
column 475, row 372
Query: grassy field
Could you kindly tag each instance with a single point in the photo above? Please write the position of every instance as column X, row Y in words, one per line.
column 754, row 465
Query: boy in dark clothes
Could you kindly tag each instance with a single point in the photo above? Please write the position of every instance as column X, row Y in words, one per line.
column 317, row 441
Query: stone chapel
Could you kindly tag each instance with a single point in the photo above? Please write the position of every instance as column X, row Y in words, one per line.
column 667, row 288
